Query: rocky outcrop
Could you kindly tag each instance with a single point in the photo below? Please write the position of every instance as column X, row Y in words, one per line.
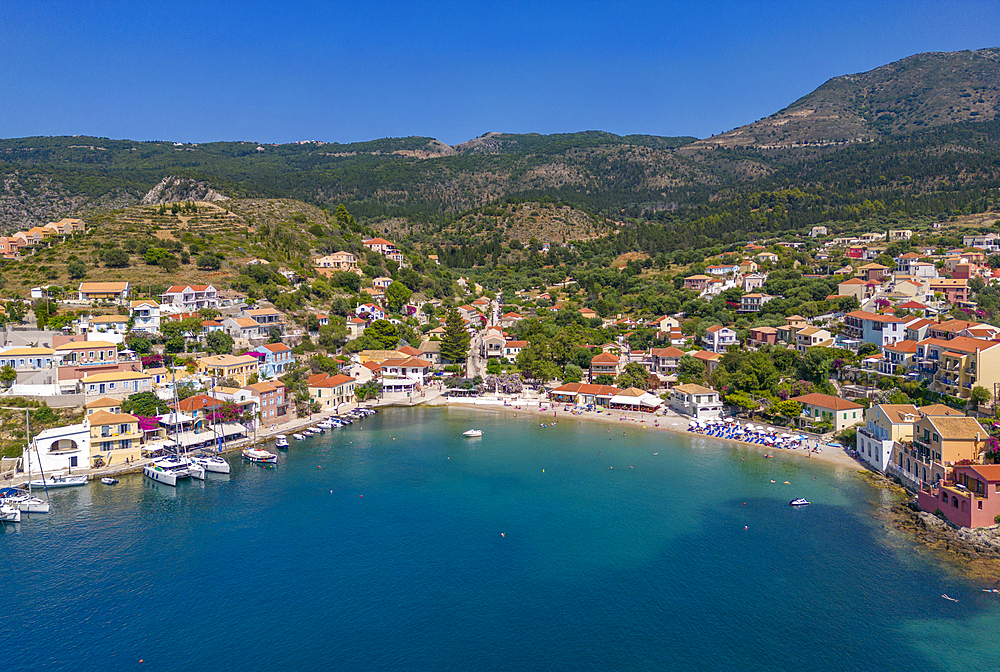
column 937, row 534
column 173, row 189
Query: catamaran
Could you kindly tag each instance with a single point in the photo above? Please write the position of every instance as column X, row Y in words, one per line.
column 212, row 464
column 169, row 469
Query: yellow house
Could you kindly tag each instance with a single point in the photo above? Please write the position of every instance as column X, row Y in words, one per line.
column 379, row 355
column 236, row 367
column 966, row 363
column 103, row 291
column 114, row 437
column 117, row 384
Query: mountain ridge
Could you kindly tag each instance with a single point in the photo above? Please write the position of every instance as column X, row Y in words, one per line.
column 935, row 114
column 863, row 107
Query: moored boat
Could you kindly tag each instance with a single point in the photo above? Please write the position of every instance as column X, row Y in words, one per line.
column 23, row 501
column 212, row 464
column 9, row 514
column 472, row 432
column 281, row 441
column 58, row 482
column 168, row 470
column 107, row 480
column 260, row 455
column 299, row 437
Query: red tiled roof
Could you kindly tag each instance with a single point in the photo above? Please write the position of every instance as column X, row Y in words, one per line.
column 588, row 388
column 826, row 401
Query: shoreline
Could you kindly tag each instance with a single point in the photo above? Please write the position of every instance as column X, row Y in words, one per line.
column 669, row 422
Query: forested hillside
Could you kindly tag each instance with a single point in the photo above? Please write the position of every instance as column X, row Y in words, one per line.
column 940, row 160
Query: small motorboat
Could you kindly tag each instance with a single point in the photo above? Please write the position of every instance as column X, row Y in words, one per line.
column 472, row 432
column 281, row 441
column 260, row 455
column 801, row 501
column 107, row 480
column 299, row 437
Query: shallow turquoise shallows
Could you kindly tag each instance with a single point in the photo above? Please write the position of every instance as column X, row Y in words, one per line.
column 398, row 544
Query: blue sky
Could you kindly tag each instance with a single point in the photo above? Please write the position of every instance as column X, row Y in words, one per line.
column 349, row 71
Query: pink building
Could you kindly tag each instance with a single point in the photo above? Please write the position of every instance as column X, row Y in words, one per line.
column 970, row 497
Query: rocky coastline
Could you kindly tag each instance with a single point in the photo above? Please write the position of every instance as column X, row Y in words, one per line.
column 975, row 552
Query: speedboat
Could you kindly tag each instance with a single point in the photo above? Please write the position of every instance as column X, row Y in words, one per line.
column 260, row 455
column 801, row 501
column 211, row 463
column 281, row 441
column 472, row 432
column 299, row 437
column 23, row 501
column 59, row 482
column 9, row 514
column 170, row 469
column 107, row 480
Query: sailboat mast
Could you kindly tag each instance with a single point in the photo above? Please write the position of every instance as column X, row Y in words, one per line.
column 173, row 385
column 38, row 456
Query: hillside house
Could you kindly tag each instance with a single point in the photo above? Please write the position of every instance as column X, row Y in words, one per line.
column 718, row 338
column 113, row 292
column 189, row 298
column 339, row 261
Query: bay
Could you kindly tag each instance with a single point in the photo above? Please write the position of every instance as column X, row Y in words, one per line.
column 396, row 543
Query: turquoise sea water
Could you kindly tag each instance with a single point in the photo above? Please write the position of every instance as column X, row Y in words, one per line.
column 390, row 557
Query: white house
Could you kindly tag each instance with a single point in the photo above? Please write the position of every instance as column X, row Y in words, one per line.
column 187, row 298
column 146, row 314
column 370, row 310
column 59, row 450
column 718, row 338
column 696, row 401
column 110, row 328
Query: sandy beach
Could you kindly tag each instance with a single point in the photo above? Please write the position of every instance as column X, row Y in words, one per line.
column 669, row 421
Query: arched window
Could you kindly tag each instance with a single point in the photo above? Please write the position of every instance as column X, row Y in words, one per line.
column 954, row 502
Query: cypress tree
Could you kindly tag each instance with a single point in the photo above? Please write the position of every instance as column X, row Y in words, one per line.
column 455, row 344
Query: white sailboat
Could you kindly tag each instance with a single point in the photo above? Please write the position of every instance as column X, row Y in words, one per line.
column 23, row 501
column 58, row 481
column 260, row 455
column 26, row 501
